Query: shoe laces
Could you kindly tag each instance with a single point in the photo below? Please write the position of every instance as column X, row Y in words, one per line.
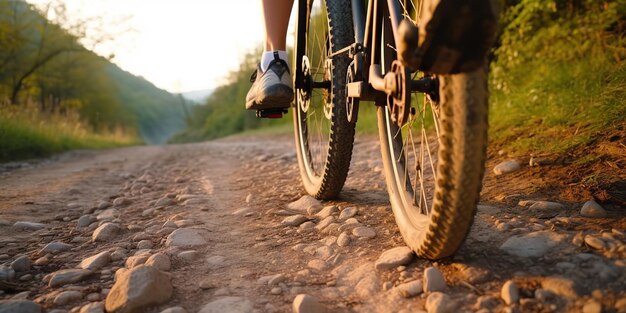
column 284, row 67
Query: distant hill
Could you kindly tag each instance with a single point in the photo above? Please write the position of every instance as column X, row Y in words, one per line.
column 198, row 96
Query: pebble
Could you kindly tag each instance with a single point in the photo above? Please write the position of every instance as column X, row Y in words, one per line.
column 136, row 260
column 343, row 240
column 145, row 244
column 561, row 286
column 97, row 307
column 21, row 306
column 327, row 211
column 592, row 209
column 94, row 296
column 546, row 205
column 105, row 232
column 317, row 264
column 66, row 297
column 121, row 201
column 308, row 225
column 533, row 244
column 68, row 276
column 6, row 273
column 433, row 280
column 347, row 213
column 108, row 215
column 325, row 222
column 228, row 304
column 103, row 205
column 95, row 262
column 85, row 221
column 506, row 167
column 216, row 261
column 21, row 264
column 185, row 237
column 438, row 302
column 304, row 303
column 509, row 292
column 188, row 256
column 24, row 225
column 394, row 257
column 303, row 204
column 117, row 255
column 592, row 306
column 137, row 289
column 595, row 242
column 276, row 291
column 364, row 232
column 26, row 277
column 165, row 201
column 175, row 309
column 160, row 261
column 294, row 220
column 411, row 289
column 55, row 247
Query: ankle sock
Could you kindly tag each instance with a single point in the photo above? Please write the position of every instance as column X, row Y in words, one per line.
column 268, row 57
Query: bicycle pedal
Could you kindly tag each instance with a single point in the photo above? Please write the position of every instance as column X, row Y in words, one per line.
column 271, row 113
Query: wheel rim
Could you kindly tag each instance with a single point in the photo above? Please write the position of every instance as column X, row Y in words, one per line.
column 314, row 109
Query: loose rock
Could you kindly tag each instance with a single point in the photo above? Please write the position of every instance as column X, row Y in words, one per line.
column 393, row 258
column 85, row 221
column 562, row 286
column 294, row 220
column 438, row 302
column 534, row 244
column 304, row 303
column 595, row 242
column 433, row 280
column 303, row 204
column 70, row 276
column 188, row 255
column 55, row 247
column 509, row 292
column 364, row 232
column 592, row 209
column 21, row 264
column 506, row 167
column 97, row 307
column 66, row 297
column 23, row 225
column 96, row 261
column 105, row 232
column 160, row 261
column 137, row 288
column 347, row 213
column 411, row 289
column 327, row 211
column 176, row 309
column 343, row 240
column 185, row 237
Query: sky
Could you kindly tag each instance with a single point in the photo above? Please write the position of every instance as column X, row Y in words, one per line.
column 178, row 45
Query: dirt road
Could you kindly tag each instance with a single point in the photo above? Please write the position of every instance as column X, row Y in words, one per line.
column 214, row 216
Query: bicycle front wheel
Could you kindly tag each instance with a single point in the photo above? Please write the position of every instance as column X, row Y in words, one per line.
column 434, row 163
column 324, row 137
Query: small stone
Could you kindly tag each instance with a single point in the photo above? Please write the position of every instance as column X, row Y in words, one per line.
column 97, row 307
column 276, row 291
column 94, row 296
column 546, row 206
column 592, row 306
column 438, row 302
column 26, row 277
column 21, row 264
column 411, row 289
column 185, row 237
column 160, row 261
column 121, row 201
column 364, row 232
column 294, row 220
column 343, row 240
column 592, row 209
column 95, row 262
column 595, row 242
column 216, row 261
column 145, row 244
column 85, row 221
column 188, row 256
column 105, row 232
column 325, row 222
column 23, row 225
column 317, row 264
column 276, row 279
column 506, row 167
column 164, row 201
column 509, row 292
column 21, row 306
column 393, row 258
column 175, row 309
column 327, row 211
column 108, row 215
column 303, row 204
column 433, row 280
column 308, row 225
column 347, row 213
column 66, row 297
column 304, row 303
column 137, row 289
column 136, row 260
column 533, row 244
column 561, row 286
column 103, row 205
column 69, row 276
column 55, row 247
column 249, row 198
column 228, row 304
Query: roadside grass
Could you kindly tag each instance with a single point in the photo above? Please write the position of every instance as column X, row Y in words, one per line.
column 25, row 133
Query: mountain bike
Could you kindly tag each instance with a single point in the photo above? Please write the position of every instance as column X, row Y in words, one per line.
column 349, row 53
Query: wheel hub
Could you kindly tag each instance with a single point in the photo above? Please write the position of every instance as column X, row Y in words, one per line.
column 304, row 93
column 398, row 93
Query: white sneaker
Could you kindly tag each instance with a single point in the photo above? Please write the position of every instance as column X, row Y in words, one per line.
column 272, row 89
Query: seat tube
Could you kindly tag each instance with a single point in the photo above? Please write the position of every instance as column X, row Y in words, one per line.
column 358, row 19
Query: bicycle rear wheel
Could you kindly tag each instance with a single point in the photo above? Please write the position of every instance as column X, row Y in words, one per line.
column 434, row 163
column 324, row 137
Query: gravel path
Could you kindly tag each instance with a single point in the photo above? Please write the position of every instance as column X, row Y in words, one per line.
column 224, row 226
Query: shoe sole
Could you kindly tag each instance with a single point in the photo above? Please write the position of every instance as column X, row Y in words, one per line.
column 275, row 97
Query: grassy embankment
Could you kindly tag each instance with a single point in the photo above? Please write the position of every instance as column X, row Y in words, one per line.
column 28, row 134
